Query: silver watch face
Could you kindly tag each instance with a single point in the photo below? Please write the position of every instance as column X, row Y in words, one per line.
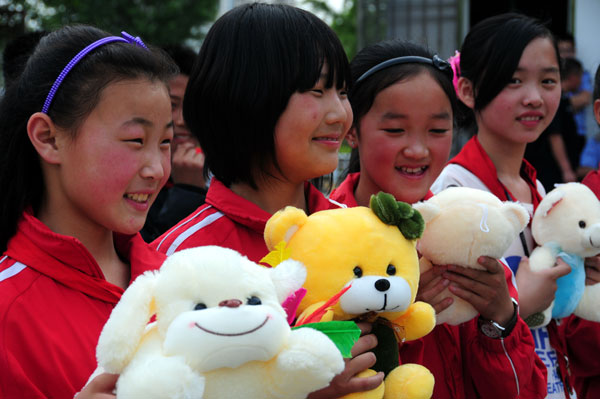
column 490, row 330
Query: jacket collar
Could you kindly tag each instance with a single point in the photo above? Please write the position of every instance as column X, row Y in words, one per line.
column 249, row 214
column 66, row 260
column 474, row 158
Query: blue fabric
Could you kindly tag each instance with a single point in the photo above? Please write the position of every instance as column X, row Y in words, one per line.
column 570, row 287
column 590, row 155
column 580, row 116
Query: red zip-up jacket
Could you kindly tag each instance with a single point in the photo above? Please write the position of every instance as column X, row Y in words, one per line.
column 54, row 301
column 230, row 221
column 464, row 362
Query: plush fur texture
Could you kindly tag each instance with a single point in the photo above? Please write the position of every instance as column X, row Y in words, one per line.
column 463, row 224
column 220, row 332
column 566, row 224
column 352, row 246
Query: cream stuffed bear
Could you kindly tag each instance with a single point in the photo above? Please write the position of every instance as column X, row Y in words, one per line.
column 220, row 332
column 463, row 224
column 566, row 224
column 370, row 256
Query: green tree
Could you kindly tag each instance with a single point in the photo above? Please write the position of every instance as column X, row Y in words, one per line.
column 343, row 22
column 157, row 22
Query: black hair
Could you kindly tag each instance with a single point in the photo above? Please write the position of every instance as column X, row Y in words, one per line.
column 79, row 93
column 570, row 66
column 596, row 94
column 16, row 53
column 492, row 49
column 251, row 62
column 183, row 56
column 362, row 95
column 566, row 37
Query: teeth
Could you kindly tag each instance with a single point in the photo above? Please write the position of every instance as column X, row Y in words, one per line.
column 530, row 118
column 138, row 197
column 413, row 170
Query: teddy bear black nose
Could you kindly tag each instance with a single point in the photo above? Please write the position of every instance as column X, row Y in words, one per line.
column 382, row 285
column 231, row 303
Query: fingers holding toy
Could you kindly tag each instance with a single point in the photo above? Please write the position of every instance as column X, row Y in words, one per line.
column 431, row 284
column 485, row 290
column 537, row 288
column 101, row 387
column 349, row 381
column 592, row 270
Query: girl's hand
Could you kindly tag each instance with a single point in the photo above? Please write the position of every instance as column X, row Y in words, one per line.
column 431, row 284
column 537, row 288
column 347, row 382
column 101, row 387
column 485, row 289
column 187, row 165
column 592, row 270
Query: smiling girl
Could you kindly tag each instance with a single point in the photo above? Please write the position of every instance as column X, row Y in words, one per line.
column 267, row 101
column 404, row 105
column 86, row 134
column 510, row 79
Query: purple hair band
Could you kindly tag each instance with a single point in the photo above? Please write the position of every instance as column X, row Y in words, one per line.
column 127, row 38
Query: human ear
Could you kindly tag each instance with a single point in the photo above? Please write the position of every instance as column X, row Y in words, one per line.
column 42, row 134
column 597, row 110
column 465, row 92
column 352, row 137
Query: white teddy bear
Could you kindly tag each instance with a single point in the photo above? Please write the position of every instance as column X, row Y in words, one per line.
column 220, row 332
column 566, row 224
column 462, row 224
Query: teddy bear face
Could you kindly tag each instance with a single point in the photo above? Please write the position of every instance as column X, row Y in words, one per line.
column 353, row 247
column 464, row 223
column 225, row 321
column 570, row 217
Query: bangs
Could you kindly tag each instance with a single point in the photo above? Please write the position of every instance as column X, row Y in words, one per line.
column 318, row 46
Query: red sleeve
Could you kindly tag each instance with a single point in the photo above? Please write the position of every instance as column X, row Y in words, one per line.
column 582, row 340
column 503, row 368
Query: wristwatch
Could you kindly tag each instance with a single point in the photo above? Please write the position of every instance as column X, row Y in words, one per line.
column 491, row 329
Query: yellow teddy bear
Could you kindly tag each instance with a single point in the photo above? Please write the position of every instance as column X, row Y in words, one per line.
column 370, row 253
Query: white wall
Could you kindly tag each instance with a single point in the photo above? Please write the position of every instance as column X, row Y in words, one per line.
column 587, row 38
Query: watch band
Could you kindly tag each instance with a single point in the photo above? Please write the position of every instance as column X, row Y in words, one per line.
column 492, row 329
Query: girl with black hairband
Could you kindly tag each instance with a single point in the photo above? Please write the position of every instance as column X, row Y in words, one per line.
column 404, row 105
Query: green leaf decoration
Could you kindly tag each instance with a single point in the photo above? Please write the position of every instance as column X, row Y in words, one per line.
column 344, row 334
column 278, row 255
column 398, row 213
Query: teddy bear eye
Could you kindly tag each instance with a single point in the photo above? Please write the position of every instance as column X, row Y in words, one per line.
column 391, row 270
column 254, row 300
column 358, row 271
column 200, row 306
column 582, row 224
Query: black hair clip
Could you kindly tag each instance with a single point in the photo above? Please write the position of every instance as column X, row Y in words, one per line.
column 435, row 61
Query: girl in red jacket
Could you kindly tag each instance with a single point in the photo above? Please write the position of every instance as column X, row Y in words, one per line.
column 510, row 82
column 85, row 138
column 404, row 105
column 267, row 101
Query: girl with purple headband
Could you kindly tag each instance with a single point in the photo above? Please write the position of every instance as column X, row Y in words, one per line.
column 86, row 135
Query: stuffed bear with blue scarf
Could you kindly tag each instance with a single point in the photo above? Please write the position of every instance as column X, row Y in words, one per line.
column 566, row 224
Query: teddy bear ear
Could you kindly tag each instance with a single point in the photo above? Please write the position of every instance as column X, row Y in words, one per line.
column 125, row 327
column 428, row 210
column 283, row 225
column 550, row 201
column 288, row 277
column 516, row 214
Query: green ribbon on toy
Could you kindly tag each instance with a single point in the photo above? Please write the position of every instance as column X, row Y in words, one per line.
column 343, row 334
column 398, row 213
